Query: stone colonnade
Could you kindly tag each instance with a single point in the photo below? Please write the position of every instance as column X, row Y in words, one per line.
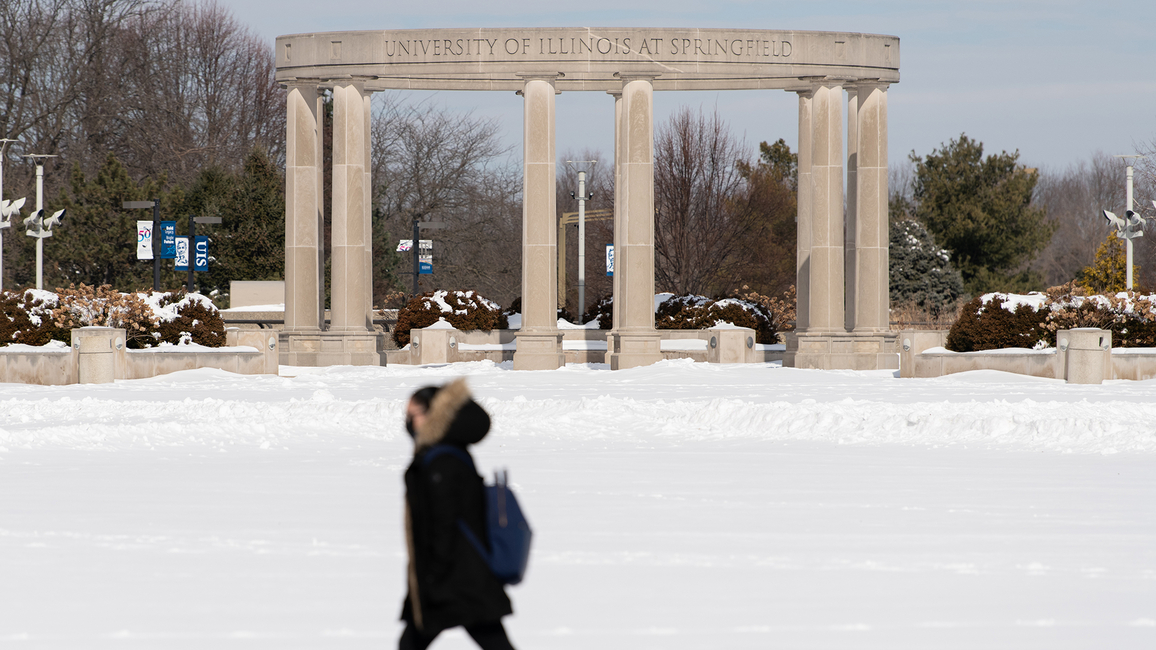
column 349, row 339
column 842, row 266
column 841, row 256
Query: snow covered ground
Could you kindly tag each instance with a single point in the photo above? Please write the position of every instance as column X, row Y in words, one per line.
column 678, row 506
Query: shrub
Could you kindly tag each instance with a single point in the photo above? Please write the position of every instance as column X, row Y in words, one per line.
column 516, row 308
column 602, row 311
column 26, row 318
column 184, row 318
column 87, row 306
column 147, row 318
column 699, row 312
column 465, row 310
column 990, row 325
column 1130, row 317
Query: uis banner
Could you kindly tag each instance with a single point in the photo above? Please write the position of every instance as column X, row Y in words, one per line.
column 144, row 240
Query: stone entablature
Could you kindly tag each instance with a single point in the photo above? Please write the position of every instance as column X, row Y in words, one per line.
column 588, row 58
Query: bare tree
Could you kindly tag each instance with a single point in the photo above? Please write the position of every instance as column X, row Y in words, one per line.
column 715, row 213
column 1074, row 199
column 433, row 164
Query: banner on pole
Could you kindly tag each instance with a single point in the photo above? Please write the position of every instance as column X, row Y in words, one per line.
column 168, row 240
column 144, row 240
column 610, row 259
column 425, row 257
column 181, row 253
column 201, row 254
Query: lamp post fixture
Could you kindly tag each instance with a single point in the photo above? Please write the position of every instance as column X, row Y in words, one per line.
column 7, row 210
column 582, row 199
column 1131, row 226
column 38, row 226
column 419, row 226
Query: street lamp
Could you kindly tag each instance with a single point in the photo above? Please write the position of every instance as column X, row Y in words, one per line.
column 582, row 199
column 7, row 210
column 37, row 225
column 419, row 226
column 1131, row 226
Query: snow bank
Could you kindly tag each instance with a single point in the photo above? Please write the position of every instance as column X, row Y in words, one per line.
column 660, row 404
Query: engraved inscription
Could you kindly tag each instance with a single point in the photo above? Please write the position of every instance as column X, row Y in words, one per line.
column 724, row 49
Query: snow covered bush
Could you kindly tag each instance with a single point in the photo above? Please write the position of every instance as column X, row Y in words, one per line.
column 996, row 320
column 26, row 318
column 601, row 311
column 184, row 318
column 516, row 308
column 87, row 306
column 465, row 310
column 699, row 312
column 147, row 318
column 990, row 322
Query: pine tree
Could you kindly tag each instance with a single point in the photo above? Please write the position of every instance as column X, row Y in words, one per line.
column 981, row 210
column 96, row 243
column 921, row 272
column 1108, row 273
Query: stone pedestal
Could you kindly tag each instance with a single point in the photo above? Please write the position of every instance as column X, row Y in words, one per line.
column 100, row 354
column 330, row 349
column 1089, row 354
column 730, row 345
column 845, row 351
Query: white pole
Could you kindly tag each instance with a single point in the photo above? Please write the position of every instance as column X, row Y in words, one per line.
column 1128, row 240
column 3, row 145
column 40, row 240
column 581, row 243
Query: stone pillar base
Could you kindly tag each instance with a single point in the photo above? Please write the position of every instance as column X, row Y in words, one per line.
column 318, row 349
column 841, row 351
column 632, row 350
column 539, row 351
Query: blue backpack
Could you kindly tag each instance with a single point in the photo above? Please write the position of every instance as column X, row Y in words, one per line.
column 507, row 530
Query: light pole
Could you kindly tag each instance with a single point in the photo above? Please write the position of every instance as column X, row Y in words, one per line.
column 38, row 226
column 419, row 226
column 1131, row 226
column 582, row 198
column 6, row 209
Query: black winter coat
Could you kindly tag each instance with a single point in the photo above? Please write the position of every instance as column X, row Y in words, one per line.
column 449, row 583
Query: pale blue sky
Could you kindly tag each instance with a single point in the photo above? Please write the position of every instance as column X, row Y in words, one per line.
column 1055, row 79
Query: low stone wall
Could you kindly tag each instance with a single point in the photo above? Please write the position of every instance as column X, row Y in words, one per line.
column 1082, row 356
column 442, row 344
column 99, row 355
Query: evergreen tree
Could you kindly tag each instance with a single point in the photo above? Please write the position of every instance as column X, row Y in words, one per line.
column 96, row 243
column 1108, row 273
column 981, row 210
column 249, row 243
column 921, row 272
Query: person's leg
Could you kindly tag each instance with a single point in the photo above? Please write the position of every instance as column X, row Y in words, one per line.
column 413, row 639
column 489, row 636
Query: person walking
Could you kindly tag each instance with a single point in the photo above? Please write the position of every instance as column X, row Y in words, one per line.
column 450, row 584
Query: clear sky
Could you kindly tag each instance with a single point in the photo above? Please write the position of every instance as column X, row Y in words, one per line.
column 1055, row 79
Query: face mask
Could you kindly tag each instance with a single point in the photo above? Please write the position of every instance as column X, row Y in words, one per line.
column 409, row 428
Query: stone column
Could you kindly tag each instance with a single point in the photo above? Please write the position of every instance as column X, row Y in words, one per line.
column 850, row 238
column 636, row 341
column 539, row 341
column 803, row 217
column 871, row 286
column 826, row 264
column 368, row 209
column 303, row 214
column 348, row 279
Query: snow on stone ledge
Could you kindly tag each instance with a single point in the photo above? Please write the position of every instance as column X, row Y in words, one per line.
column 52, row 346
column 195, row 347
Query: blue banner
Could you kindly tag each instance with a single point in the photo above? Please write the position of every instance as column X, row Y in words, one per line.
column 201, row 257
column 424, row 268
column 168, row 240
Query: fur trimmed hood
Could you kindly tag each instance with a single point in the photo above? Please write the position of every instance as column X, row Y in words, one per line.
column 453, row 417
